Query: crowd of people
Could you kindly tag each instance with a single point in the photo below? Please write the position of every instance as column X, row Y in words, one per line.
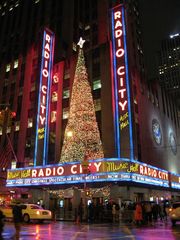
column 140, row 213
column 146, row 212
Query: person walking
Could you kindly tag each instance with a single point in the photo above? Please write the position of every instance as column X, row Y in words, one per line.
column 17, row 218
column 138, row 214
column 114, row 213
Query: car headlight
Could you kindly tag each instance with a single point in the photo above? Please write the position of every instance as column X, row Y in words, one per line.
column 38, row 212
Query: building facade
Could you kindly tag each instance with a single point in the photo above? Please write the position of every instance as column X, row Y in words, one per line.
column 129, row 112
column 169, row 66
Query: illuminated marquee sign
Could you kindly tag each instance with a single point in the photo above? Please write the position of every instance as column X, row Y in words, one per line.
column 100, row 171
column 42, row 127
column 175, row 181
column 120, row 82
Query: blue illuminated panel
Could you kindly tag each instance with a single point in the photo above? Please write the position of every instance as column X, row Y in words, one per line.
column 101, row 170
column 43, row 112
column 120, row 85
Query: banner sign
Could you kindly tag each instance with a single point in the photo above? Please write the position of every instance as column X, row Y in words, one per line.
column 99, row 171
column 120, row 84
column 42, row 126
column 175, row 181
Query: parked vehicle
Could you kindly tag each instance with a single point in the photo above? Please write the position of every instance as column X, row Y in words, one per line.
column 29, row 212
column 174, row 213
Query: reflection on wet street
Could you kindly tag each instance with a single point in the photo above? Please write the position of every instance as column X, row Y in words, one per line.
column 71, row 231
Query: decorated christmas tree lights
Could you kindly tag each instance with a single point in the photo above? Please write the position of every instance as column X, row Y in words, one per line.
column 82, row 138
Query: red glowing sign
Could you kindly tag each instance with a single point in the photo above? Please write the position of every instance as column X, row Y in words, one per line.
column 45, row 84
column 45, row 76
column 120, row 70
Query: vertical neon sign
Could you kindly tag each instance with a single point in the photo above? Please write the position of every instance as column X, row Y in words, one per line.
column 43, row 113
column 120, row 85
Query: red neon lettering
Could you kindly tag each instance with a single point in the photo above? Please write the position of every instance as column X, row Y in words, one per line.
column 122, row 91
column 42, row 109
column 119, row 42
column 47, row 47
column 121, row 82
column 120, row 52
column 46, row 54
column 120, row 71
column 118, row 24
column 123, row 105
column 48, row 38
column 42, row 119
column 45, row 72
column 44, row 89
column 60, row 170
column 43, row 99
column 118, row 33
column 117, row 15
column 34, row 172
column 141, row 169
column 72, row 169
column 48, row 172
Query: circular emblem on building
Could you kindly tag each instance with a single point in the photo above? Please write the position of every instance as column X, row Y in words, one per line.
column 156, row 131
column 172, row 143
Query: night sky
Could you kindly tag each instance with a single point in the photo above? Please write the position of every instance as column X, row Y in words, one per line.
column 159, row 19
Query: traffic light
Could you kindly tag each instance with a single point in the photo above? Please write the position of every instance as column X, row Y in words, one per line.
column 11, row 117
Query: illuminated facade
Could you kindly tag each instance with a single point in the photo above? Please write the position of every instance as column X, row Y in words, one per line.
column 140, row 141
column 121, row 87
column 43, row 111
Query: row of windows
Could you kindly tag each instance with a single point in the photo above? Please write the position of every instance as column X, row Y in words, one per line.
column 97, row 105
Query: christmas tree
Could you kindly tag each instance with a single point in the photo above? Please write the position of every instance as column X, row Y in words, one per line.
column 82, row 137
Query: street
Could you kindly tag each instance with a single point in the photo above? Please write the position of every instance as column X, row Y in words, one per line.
column 70, row 231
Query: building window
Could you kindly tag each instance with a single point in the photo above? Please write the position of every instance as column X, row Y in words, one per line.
column 65, row 113
column 54, row 96
column 97, row 105
column 8, row 67
column 66, row 75
column 30, row 123
column 66, row 93
column 17, row 126
column 96, row 84
column 53, row 116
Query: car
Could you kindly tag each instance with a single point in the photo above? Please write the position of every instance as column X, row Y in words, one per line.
column 29, row 212
column 174, row 213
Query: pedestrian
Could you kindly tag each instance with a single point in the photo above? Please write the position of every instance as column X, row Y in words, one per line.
column 79, row 213
column 117, row 212
column 114, row 213
column 148, row 210
column 138, row 214
column 161, row 212
column 2, row 219
column 17, row 218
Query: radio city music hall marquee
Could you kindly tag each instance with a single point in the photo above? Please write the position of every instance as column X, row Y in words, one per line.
column 42, row 127
column 99, row 171
column 120, row 82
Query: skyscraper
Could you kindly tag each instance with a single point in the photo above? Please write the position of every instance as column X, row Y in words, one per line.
column 169, row 70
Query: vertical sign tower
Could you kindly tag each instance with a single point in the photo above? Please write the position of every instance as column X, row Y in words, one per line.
column 120, row 85
column 43, row 111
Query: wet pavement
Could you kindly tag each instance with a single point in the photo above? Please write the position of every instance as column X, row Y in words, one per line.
column 71, row 231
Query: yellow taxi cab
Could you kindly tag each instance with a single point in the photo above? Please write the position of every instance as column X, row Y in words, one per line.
column 174, row 213
column 29, row 212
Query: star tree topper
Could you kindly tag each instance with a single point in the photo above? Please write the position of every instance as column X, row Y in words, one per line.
column 81, row 42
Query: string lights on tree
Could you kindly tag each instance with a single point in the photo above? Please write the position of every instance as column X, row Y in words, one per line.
column 82, row 137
